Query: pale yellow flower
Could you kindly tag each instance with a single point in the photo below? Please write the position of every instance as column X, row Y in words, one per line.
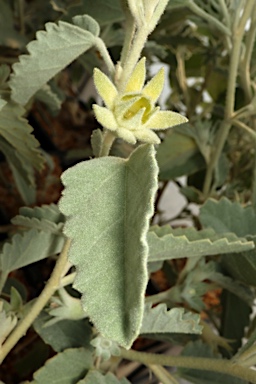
column 132, row 114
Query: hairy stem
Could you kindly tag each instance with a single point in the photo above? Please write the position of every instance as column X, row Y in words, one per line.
column 201, row 363
column 108, row 139
column 99, row 44
column 162, row 374
column 51, row 286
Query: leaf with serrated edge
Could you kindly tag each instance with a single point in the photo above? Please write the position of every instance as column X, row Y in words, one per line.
column 227, row 216
column 175, row 320
column 95, row 377
column 166, row 243
column 27, row 248
column 53, row 50
column 17, row 132
column 88, row 23
column 66, row 367
column 108, row 203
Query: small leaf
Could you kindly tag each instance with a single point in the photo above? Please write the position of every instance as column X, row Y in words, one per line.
column 175, row 320
column 108, row 203
column 53, row 50
column 67, row 367
column 64, row 334
column 166, row 243
column 95, row 377
column 28, row 248
column 87, row 23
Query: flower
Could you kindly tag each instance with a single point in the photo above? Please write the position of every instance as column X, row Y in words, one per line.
column 132, row 114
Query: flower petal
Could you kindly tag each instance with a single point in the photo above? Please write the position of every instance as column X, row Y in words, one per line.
column 155, row 86
column 165, row 119
column 147, row 136
column 137, row 79
column 105, row 87
column 126, row 135
column 134, row 122
column 105, row 117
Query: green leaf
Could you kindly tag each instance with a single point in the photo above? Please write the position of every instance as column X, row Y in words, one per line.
column 176, row 320
column 108, row 202
column 87, row 23
column 166, row 243
column 105, row 12
column 95, row 377
column 27, row 248
column 64, row 334
column 96, row 141
column 50, row 98
column 227, row 216
column 14, row 128
column 53, row 50
column 67, row 367
column 178, row 155
column 199, row 349
column 47, row 218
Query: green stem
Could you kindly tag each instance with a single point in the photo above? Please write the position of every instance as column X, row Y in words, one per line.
column 211, row 20
column 201, row 363
column 225, row 12
column 3, row 278
column 245, row 127
column 100, row 45
column 162, row 374
column 51, row 286
column 129, row 33
column 230, row 97
column 108, row 139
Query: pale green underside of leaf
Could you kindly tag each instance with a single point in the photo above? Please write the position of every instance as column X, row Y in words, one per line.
column 175, row 320
column 14, row 128
column 108, row 203
column 27, row 248
column 166, row 243
column 227, row 216
column 46, row 218
column 53, row 50
column 95, row 377
column 66, row 367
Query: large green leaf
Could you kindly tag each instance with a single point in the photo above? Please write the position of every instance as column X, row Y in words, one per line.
column 227, row 216
column 53, row 50
column 66, row 367
column 95, row 377
column 175, row 320
column 108, row 203
column 14, row 128
column 64, row 334
column 199, row 349
column 166, row 243
column 26, row 248
column 178, row 155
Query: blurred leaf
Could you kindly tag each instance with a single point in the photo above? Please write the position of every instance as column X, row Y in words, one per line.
column 8, row 34
column 64, row 334
column 47, row 96
column 178, row 155
column 95, row 377
column 66, row 367
column 42, row 63
column 227, row 216
column 160, row 320
column 199, row 349
column 122, row 191
column 166, row 243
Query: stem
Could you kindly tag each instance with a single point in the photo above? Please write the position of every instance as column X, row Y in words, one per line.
column 201, row 363
column 230, row 97
column 108, row 139
column 204, row 15
column 100, row 45
column 21, row 16
column 162, row 374
column 181, row 75
column 225, row 12
column 129, row 33
column 67, row 280
column 3, row 278
column 245, row 127
column 51, row 286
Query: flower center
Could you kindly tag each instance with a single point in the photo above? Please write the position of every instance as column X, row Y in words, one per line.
column 143, row 102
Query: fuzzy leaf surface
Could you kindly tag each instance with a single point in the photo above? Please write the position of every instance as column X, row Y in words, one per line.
column 27, row 248
column 66, row 367
column 227, row 216
column 53, row 50
column 108, row 203
column 95, row 377
column 166, row 243
column 175, row 320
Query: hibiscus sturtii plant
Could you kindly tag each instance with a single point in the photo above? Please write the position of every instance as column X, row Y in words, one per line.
column 131, row 114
